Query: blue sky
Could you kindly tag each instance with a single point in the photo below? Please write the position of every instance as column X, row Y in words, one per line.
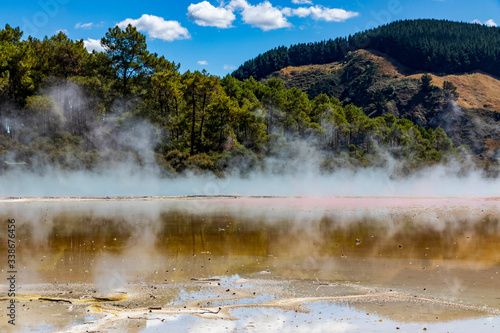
column 220, row 35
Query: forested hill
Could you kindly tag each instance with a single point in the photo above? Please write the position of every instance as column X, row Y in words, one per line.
column 62, row 108
column 430, row 45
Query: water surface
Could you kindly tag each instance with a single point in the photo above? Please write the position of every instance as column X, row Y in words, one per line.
column 444, row 249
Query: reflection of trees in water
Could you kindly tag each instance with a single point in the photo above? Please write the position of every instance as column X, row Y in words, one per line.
column 218, row 241
column 449, row 237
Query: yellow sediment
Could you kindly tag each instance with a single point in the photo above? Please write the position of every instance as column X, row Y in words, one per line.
column 93, row 300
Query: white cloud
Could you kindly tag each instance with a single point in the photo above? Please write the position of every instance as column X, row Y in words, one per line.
column 203, row 62
column 238, row 4
column 490, row 23
column 206, row 15
column 93, row 44
column 84, row 25
column 157, row 27
column 229, row 67
column 300, row 12
column 320, row 13
column 263, row 15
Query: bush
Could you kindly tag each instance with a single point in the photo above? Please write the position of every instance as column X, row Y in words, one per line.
column 201, row 162
column 177, row 160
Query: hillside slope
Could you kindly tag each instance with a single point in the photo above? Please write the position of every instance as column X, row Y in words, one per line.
column 429, row 45
column 381, row 85
column 476, row 89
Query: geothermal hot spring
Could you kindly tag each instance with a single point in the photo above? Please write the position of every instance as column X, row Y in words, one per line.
column 256, row 264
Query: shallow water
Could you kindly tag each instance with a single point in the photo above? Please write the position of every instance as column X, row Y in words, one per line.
column 323, row 317
column 445, row 249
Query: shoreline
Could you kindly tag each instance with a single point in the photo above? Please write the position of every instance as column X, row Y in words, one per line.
column 236, row 196
column 280, row 201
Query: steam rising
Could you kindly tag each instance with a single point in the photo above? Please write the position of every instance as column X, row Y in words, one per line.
column 125, row 181
column 294, row 169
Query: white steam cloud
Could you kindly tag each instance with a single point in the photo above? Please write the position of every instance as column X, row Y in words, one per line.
column 280, row 176
column 126, row 182
column 127, row 166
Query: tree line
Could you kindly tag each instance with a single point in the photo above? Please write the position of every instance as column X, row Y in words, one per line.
column 63, row 106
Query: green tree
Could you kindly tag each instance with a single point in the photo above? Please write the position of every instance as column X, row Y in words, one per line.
column 127, row 50
column 450, row 90
column 65, row 65
column 43, row 114
column 219, row 134
column 426, row 83
column 64, row 58
column 200, row 90
column 18, row 77
column 165, row 105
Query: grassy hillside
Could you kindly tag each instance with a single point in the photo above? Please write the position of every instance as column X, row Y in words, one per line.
column 430, row 45
column 475, row 90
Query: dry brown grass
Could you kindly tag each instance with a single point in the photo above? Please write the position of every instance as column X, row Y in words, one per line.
column 291, row 70
column 476, row 90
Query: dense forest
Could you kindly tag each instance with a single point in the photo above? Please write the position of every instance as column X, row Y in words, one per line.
column 429, row 45
column 63, row 107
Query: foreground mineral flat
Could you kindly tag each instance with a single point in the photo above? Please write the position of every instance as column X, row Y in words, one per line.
column 217, row 264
